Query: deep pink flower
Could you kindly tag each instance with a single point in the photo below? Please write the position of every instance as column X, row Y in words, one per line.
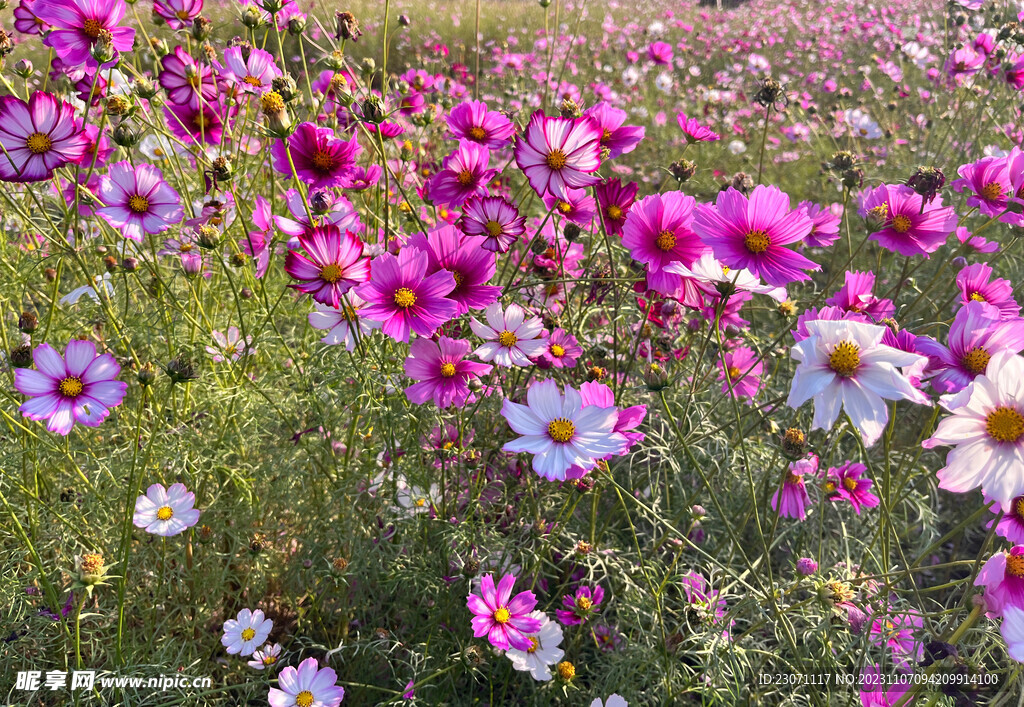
column 504, row 620
column 987, row 182
column 495, row 219
column 465, row 258
column 26, row 18
column 977, row 242
column 38, row 137
column 402, row 296
column 138, row 200
column 473, row 121
column 178, row 14
column 616, row 137
column 825, row 223
column 750, row 233
column 580, row 606
column 194, row 125
column 443, row 371
column 256, row 244
column 464, row 174
column 845, row 482
column 575, row 205
column 976, row 284
column 896, row 632
column 744, row 369
column 77, row 25
column 693, row 131
column 334, row 264
column 185, row 80
column 78, row 387
column 1002, row 576
column 658, row 231
column 321, row 159
column 856, row 295
column 253, row 74
column 792, row 498
column 1011, row 524
column 615, row 201
column 562, row 350
column 557, row 154
column 660, row 52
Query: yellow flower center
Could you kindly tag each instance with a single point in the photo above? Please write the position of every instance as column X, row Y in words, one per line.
column 458, row 277
column 165, row 513
column 271, row 103
column 991, row 191
column 666, row 241
column 420, row 502
column 507, row 339
column 757, row 241
column 557, row 351
column 252, row 81
column 269, row 660
column 92, row 28
column 323, row 161
column 1018, row 507
column 534, row 645
column 304, row 699
column 1004, row 424
column 465, row 178
column 850, row 483
column 880, row 212
column 493, row 229
column 978, row 297
column 181, row 14
column 614, row 212
column 477, row 133
column 502, row 616
column 404, row 297
column 901, row 223
column 976, row 360
column 199, row 121
column 70, row 387
column 565, row 207
column 330, row 273
column 1015, row 565
column 584, row 603
column 248, row 634
column 38, row 143
column 447, row 370
column 561, row 430
column 138, row 203
column 830, row 487
column 845, row 359
column 566, row 670
column 556, row 159
column 606, row 135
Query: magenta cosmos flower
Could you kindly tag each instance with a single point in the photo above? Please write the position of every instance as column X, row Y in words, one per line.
column 38, row 137
column 309, row 686
column 465, row 258
column 321, row 159
column 495, row 219
column 561, row 350
column 825, row 222
column 658, row 231
column 616, row 137
column 505, row 620
column 473, row 121
column 195, row 124
column 178, row 13
column 749, row 233
column 847, row 483
column 976, row 284
column 744, row 368
column 559, row 431
column 987, row 183
column 77, row 25
column 78, row 387
column 253, row 74
column 403, row 297
column 1002, row 576
column 694, row 131
column 463, row 174
column 791, row 499
column 185, row 80
column 138, row 200
column 166, row 511
column 333, row 264
column 1011, row 523
column 557, row 154
column 615, row 201
column 580, row 606
column 443, row 371
column 904, row 223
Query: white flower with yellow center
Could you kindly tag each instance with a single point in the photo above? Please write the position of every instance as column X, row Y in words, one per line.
column 246, row 632
column 166, row 512
column 415, row 499
column 543, row 652
column 510, row 338
column 844, row 365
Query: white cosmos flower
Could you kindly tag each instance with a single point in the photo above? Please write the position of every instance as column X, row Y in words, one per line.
column 244, row 633
column 614, row 700
column 164, row 511
column 338, row 322
column 86, row 291
column 265, row 656
column 987, row 431
column 543, row 653
column 862, row 124
column 415, row 500
column 559, row 432
column 709, row 271
column 844, row 365
column 1013, row 632
column 511, row 338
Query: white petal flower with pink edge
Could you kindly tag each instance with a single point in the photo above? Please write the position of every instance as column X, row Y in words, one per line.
column 166, row 511
column 511, row 339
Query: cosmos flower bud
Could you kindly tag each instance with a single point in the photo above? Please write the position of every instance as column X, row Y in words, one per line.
column 368, row 66
column 927, row 181
column 572, row 232
column 339, row 564
column 28, row 322
column 130, row 264
column 404, row 20
column 373, row 109
column 23, row 68
column 159, row 47
column 655, row 377
column 566, row 671
column 853, row 178
column 842, row 161
column 251, row 17
column 285, row 87
column 272, row 6
column 110, row 263
column 296, row 25
column 117, row 105
column 146, row 375
column 21, row 356
column 544, row 3
column 794, row 443
column 103, row 48
column 321, row 201
column 346, row 26
column 806, row 566
column 570, row 109
column 202, row 28
column 683, row 170
column 334, row 61
column 208, row 237
column 181, row 370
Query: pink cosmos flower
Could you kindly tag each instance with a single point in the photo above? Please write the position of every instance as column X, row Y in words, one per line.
column 976, row 284
column 138, row 200
column 511, row 339
column 185, row 80
column 503, row 619
column 443, row 371
column 472, row 120
column 846, row 482
column 579, row 607
column 334, row 263
column 976, row 335
column 988, row 184
column 328, row 209
column 1002, row 576
column 345, row 324
column 403, row 297
column 26, row 20
column 231, row 346
column 750, row 233
column 575, row 205
column 321, row 159
column 557, row 154
column 166, row 511
column 975, row 242
column 615, row 201
column 1011, row 524
column 263, row 658
column 253, row 74
column 856, row 295
column 195, row 125
column 903, row 222
column 77, row 25
column 616, row 137
column 465, row 258
column 78, row 387
column 463, row 174
column 986, row 428
column 658, row 232
column 562, row 350
column 495, row 219
column 1013, row 630
column 744, row 369
column 824, row 223
column 693, row 131
column 310, row 686
column 559, row 431
column 878, row 690
column 792, row 498
column 178, row 14
column 256, row 244
column 660, row 52
column 896, row 632
column 38, row 137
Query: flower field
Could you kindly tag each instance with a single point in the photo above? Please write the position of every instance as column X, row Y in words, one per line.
column 511, row 353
